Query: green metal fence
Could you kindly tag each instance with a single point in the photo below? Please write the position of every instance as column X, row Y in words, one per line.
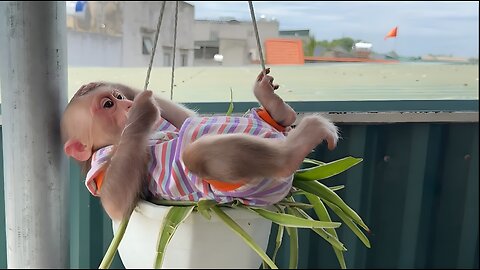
column 417, row 190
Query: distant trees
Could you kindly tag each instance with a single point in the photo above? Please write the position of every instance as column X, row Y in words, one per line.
column 345, row 43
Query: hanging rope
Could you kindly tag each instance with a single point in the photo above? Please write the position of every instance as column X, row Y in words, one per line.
column 259, row 45
column 160, row 17
column 174, row 49
column 254, row 21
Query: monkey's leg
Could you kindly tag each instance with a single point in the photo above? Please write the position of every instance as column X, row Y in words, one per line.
column 242, row 157
column 309, row 133
column 235, row 157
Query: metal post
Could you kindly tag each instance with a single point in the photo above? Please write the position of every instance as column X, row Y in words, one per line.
column 33, row 70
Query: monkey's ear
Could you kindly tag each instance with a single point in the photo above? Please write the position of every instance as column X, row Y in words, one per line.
column 77, row 150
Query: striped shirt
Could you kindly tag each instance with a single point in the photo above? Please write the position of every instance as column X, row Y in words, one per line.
column 169, row 178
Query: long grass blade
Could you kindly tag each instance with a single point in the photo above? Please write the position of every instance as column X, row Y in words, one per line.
column 175, row 216
column 348, row 221
column 244, row 235
column 293, row 233
column 278, row 241
column 295, row 204
column 322, row 214
column 333, row 240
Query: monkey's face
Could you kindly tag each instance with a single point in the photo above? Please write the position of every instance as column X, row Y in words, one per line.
column 108, row 110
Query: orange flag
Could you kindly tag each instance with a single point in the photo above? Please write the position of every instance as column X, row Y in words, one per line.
column 392, row 33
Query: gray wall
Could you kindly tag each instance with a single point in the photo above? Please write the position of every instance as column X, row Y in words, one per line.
column 94, row 49
column 234, row 52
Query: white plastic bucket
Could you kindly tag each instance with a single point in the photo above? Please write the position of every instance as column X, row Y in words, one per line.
column 197, row 243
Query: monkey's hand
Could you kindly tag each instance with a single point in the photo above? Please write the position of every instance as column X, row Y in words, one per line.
column 264, row 84
column 142, row 116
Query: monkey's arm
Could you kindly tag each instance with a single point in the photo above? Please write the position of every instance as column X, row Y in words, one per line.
column 128, row 167
column 174, row 113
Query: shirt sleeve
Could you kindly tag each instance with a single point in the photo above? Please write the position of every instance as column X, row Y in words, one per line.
column 164, row 125
column 95, row 174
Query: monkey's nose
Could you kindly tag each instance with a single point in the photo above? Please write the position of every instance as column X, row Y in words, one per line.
column 127, row 104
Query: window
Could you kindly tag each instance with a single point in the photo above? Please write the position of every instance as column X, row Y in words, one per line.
column 213, row 35
column 210, row 52
column 167, row 59
column 184, row 60
column 147, row 45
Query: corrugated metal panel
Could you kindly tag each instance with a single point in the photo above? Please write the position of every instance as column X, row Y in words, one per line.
column 417, row 190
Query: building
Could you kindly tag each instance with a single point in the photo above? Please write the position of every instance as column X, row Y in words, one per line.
column 122, row 33
column 362, row 49
column 234, row 40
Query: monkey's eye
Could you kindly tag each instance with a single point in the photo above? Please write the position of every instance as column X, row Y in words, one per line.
column 107, row 103
column 118, row 95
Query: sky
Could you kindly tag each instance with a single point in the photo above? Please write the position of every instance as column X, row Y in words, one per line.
column 424, row 27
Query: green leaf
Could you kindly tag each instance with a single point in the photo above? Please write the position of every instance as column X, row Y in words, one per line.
column 230, row 108
column 327, row 170
column 244, row 235
column 322, row 214
column 293, row 221
column 175, row 216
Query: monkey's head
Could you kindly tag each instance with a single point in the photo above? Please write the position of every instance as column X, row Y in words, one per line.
column 94, row 118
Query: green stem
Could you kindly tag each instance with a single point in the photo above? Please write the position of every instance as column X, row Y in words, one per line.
column 112, row 249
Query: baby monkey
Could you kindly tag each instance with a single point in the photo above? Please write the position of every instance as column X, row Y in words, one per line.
column 134, row 145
